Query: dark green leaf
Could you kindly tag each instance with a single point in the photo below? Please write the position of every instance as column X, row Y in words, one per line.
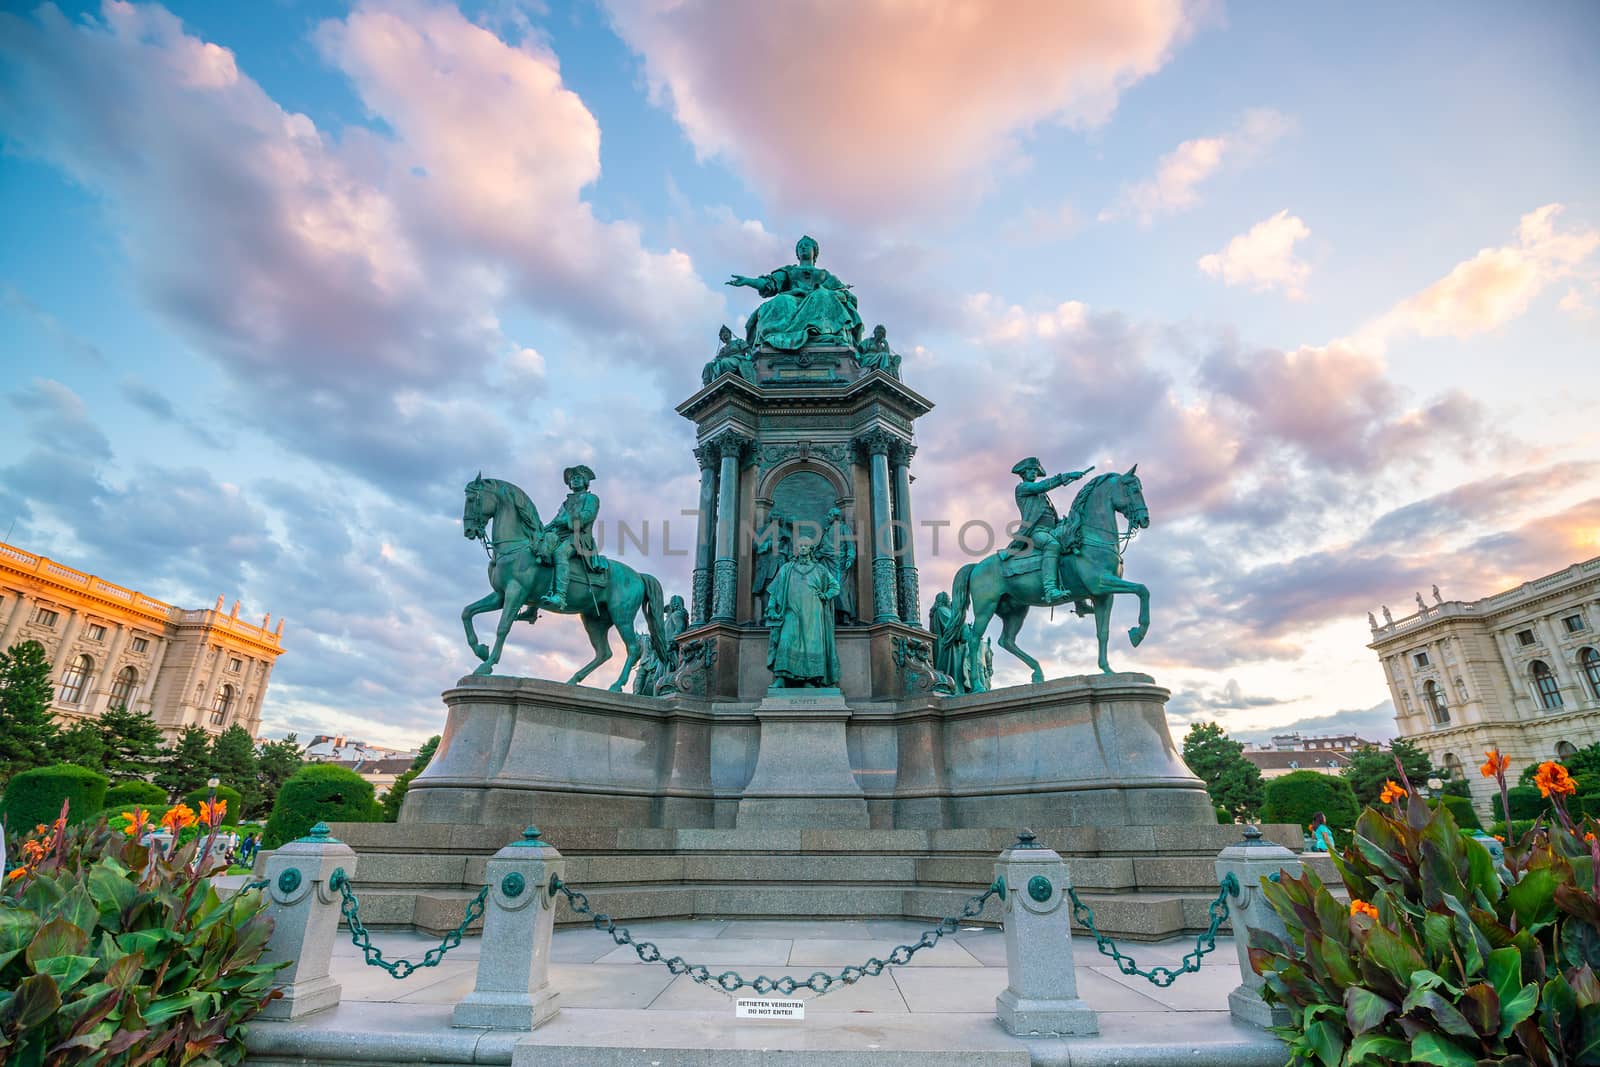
column 1327, row 1040
column 68, row 971
column 1377, row 1049
column 1365, row 1010
column 1519, row 1006
column 56, row 938
column 1445, row 1014
column 35, row 1000
column 1429, row 1047
column 1481, row 1008
column 1532, row 898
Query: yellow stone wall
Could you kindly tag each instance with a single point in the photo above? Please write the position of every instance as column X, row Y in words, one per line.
column 182, row 659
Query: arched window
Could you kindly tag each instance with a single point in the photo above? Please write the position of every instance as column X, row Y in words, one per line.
column 1565, row 749
column 1545, row 684
column 222, row 705
column 1589, row 660
column 75, row 679
column 1435, row 696
column 125, row 688
column 1452, row 767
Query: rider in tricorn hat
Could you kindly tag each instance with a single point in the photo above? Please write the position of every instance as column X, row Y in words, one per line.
column 572, row 529
column 1039, row 519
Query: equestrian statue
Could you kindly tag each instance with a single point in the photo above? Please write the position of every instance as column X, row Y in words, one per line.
column 555, row 568
column 1053, row 561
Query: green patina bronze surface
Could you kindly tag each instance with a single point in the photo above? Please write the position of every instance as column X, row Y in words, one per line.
column 801, row 650
column 804, row 305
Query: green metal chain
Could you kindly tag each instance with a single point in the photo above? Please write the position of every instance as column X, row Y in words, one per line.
column 259, row 883
column 732, row 981
column 350, row 908
column 1160, row 976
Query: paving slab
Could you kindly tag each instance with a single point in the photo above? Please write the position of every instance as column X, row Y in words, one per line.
column 796, row 928
column 771, row 952
column 946, row 953
column 869, row 996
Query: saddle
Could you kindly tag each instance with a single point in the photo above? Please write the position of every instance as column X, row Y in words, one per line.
column 1011, row 566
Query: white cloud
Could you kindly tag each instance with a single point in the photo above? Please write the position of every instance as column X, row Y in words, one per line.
column 882, row 108
column 1175, row 185
column 1263, row 257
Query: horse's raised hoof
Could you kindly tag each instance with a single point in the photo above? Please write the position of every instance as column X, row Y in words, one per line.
column 484, row 670
column 1136, row 635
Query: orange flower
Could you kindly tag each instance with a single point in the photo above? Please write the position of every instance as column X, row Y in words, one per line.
column 32, row 852
column 1361, row 907
column 1501, row 838
column 1496, row 763
column 1391, row 792
column 211, row 813
column 138, row 823
column 1553, row 778
column 177, row 818
column 1589, row 835
column 18, row 873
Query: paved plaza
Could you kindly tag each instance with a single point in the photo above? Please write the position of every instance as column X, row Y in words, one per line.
column 939, row 1008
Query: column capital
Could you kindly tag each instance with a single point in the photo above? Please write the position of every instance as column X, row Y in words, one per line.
column 706, row 456
column 728, row 442
column 900, row 452
column 876, row 442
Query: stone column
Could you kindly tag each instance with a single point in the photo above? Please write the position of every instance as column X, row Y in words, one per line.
column 705, row 530
column 108, row 675
column 19, row 615
column 513, row 987
column 305, row 917
column 69, row 634
column 148, row 701
column 209, row 695
column 906, row 560
column 1042, row 997
column 1249, row 863
column 885, row 596
column 730, row 446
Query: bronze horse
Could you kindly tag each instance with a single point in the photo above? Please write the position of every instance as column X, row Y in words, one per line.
column 1091, row 571
column 502, row 516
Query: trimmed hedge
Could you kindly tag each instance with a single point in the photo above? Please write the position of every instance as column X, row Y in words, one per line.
column 142, row 793
column 35, row 796
column 1461, row 810
column 224, row 792
column 319, row 792
column 1526, row 803
column 1298, row 795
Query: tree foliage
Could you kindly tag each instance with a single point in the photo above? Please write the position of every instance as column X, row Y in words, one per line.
column 1233, row 781
column 187, row 762
column 132, row 744
column 397, row 792
column 28, row 735
column 276, row 763
column 1371, row 766
column 319, row 792
column 1298, row 795
column 233, row 760
column 82, row 743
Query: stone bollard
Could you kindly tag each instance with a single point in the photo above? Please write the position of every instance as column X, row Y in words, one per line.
column 1042, row 998
column 1249, row 862
column 513, row 988
column 305, row 918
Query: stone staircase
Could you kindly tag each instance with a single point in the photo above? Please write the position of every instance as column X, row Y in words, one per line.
column 1143, row 882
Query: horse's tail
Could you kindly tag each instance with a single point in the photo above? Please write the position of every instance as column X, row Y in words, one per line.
column 654, row 606
column 960, row 595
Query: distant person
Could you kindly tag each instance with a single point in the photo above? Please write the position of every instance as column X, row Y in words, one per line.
column 247, row 851
column 1321, row 836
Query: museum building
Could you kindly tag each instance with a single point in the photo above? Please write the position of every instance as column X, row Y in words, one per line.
column 1518, row 671
column 109, row 646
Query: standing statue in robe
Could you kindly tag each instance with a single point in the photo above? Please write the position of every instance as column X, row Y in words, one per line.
column 950, row 651
column 838, row 550
column 800, row 649
column 804, row 305
column 771, row 550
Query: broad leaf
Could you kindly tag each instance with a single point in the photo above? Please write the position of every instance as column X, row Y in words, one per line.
column 1430, row 1047
column 35, row 1000
column 68, row 971
column 1377, row 1049
column 56, row 938
column 1365, row 1010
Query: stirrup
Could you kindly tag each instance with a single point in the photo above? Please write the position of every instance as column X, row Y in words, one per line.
column 557, row 601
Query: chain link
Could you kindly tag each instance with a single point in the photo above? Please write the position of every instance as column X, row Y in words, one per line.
column 1159, row 976
column 731, row 982
column 350, row 908
column 259, row 883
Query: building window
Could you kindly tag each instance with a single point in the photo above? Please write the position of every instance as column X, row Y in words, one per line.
column 75, row 679
column 125, row 688
column 1545, row 683
column 97, row 632
column 1573, row 623
column 1524, row 638
column 222, row 705
column 46, row 617
column 1436, row 705
column 1565, row 750
column 1589, row 660
column 140, row 644
column 1420, row 659
column 235, row 664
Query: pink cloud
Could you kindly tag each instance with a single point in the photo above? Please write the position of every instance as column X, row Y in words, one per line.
column 885, row 107
column 1263, row 257
column 1175, row 186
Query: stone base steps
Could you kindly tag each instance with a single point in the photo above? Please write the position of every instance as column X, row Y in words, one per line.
column 1144, row 883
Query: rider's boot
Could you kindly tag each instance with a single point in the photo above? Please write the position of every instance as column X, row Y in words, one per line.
column 556, row 599
column 1049, row 568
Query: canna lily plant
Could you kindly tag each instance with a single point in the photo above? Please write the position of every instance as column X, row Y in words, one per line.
column 112, row 955
column 1440, row 958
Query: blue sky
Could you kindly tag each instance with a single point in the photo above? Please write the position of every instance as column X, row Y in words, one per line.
column 276, row 279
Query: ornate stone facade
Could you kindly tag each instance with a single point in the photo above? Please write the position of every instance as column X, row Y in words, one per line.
column 1518, row 671
column 112, row 646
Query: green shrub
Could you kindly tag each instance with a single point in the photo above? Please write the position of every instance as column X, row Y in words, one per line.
column 135, row 793
column 1298, row 795
column 1518, row 828
column 112, row 956
column 122, row 811
column 1224, row 817
column 35, row 796
column 319, row 792
column 1526, row 803
column 1439, row 958
column 224, row 792
column 1461, row 809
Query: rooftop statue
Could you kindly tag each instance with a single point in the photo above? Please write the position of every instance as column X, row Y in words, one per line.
column 524, row 557
column 801, row 650
column 733, row 355
column 804, row 305
column 1088, row 546
column 875, row 353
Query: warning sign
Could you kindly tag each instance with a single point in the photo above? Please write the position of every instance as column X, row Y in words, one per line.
column 768, row 1008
